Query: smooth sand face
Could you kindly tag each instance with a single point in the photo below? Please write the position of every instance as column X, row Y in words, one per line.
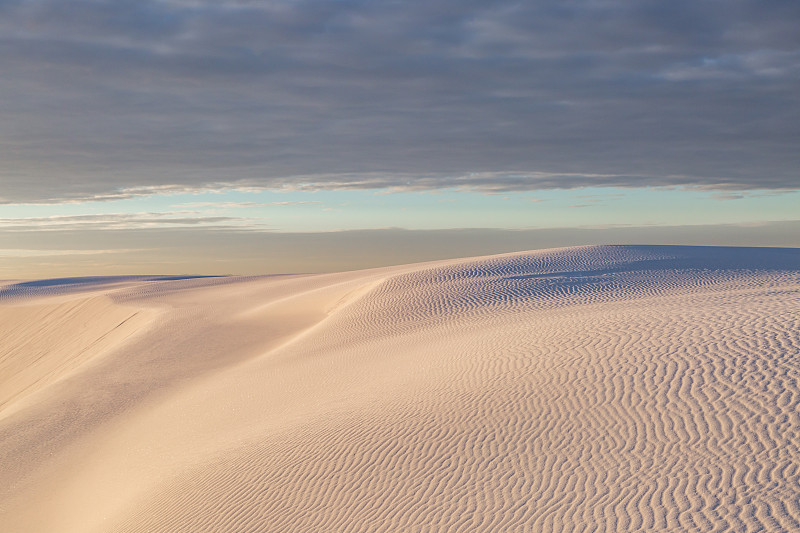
column 614, row 388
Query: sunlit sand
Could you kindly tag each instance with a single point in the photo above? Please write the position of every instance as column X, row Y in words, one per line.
column 615, row 388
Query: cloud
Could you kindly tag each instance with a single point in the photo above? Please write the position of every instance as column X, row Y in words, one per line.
column 245, row 205
column 726, row 196
column 484, row 182
column 289, row 204
column 742, row 194
column 110, row 99
column 747, row 66
column 126, row 221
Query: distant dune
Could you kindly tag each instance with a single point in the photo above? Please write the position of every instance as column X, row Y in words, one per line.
column 609, row 388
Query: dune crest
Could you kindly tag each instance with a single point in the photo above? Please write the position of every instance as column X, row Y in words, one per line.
column 612, row 388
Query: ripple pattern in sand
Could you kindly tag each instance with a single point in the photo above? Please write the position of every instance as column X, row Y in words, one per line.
column 594, row 389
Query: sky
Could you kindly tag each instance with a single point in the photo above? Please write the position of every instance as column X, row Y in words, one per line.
column 270, row 136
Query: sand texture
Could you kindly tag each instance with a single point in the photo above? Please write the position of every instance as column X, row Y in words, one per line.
column 610, row 388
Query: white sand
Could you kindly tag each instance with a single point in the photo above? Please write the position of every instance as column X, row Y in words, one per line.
column 617, row 388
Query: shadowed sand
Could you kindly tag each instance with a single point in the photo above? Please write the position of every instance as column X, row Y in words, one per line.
column 614, row 388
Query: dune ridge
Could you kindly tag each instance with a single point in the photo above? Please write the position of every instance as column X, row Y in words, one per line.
column 594, row 388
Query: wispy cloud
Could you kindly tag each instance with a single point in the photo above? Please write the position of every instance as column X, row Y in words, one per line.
column 289, row 204
column 126, row 221
column 243, row 205
column 726, row 196
column 743, row 194
column 483, row 182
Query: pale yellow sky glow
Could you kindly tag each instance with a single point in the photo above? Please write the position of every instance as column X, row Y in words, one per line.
column 217, row 252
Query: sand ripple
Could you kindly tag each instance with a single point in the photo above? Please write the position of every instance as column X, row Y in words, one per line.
column 618, row 388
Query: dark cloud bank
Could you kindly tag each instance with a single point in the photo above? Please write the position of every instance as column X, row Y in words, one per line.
column 102, row 98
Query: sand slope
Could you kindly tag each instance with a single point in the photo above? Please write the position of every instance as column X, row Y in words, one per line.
column 612, row 388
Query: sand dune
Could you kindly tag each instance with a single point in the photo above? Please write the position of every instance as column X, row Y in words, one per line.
column 612, row 388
